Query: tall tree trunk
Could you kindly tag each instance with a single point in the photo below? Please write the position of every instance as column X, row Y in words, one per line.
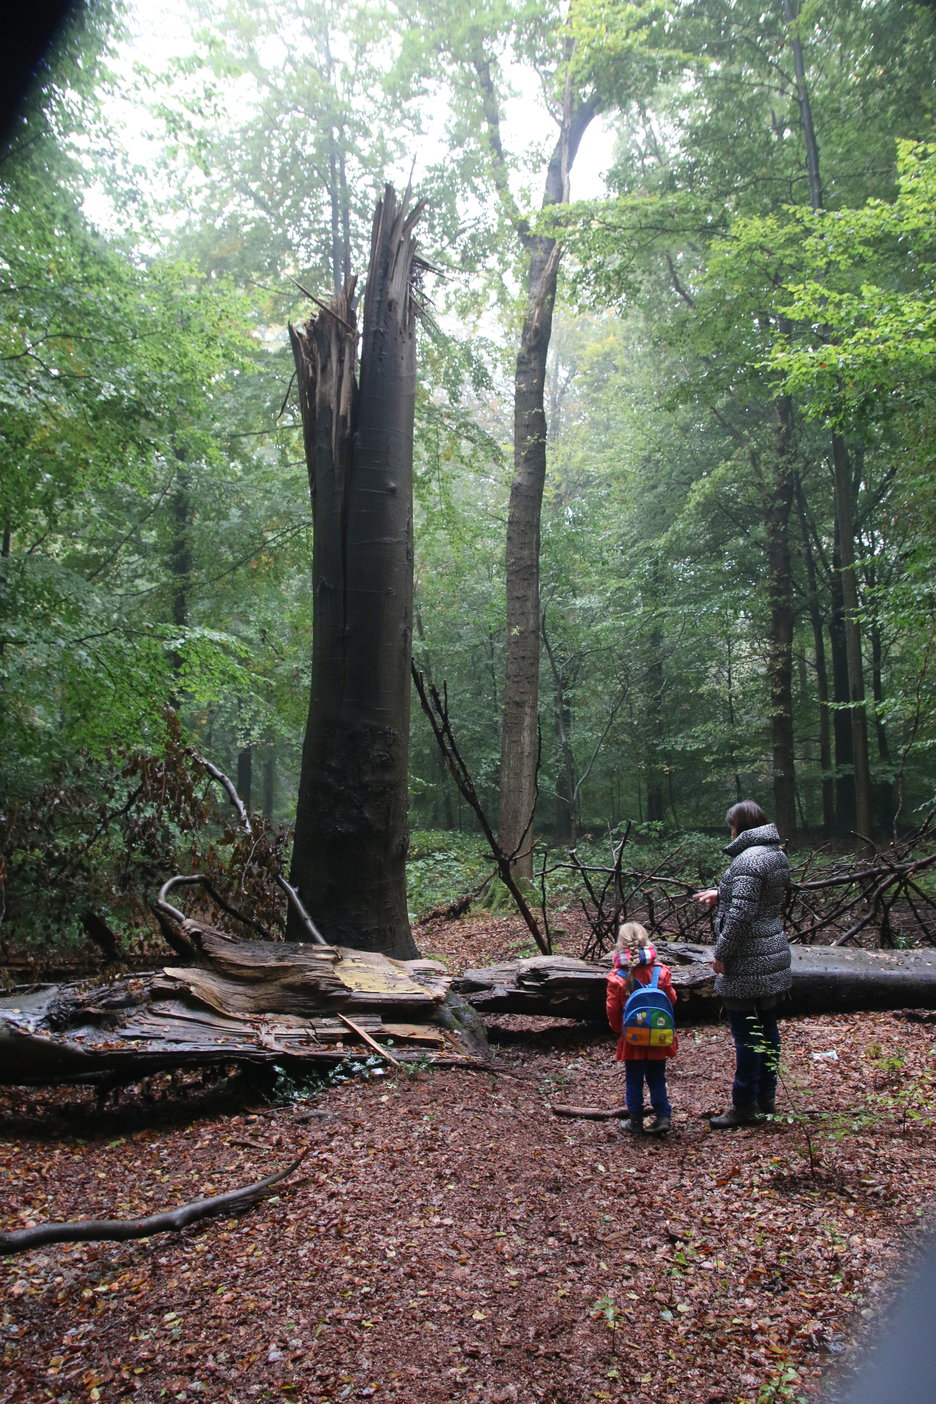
column 519, row 733
column 844, row 492
column 886, row 789
column 779, row 588
column 180, row 563
column 822, row 676
column 845, row 818
column 844, row 514
column 566, row 824
column 655, row 686
column 349, row 855
column 245, row 776
column 269, row 784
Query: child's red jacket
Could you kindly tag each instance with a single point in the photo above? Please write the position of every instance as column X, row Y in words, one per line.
column 616, row 1000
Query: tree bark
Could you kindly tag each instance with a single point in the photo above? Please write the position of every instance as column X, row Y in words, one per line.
column 245, row 1002
column 519, row 733
column 350, row 847
column 822, row 677
column 825, row 979
column 779, row 589
column 844, row 514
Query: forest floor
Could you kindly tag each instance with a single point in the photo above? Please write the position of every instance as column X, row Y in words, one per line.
column 448, row 1238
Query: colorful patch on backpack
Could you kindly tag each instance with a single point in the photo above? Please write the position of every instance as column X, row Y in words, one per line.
column 648, row 1016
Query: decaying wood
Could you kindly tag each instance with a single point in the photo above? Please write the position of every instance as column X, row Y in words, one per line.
column 247, row 1001
column 371, row 1042
column 166, row 1221
column 825, row 979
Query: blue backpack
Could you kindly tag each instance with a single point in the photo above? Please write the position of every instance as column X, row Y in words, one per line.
column 648, row 1016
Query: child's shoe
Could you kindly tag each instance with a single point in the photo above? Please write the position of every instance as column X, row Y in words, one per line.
column 633, row 1124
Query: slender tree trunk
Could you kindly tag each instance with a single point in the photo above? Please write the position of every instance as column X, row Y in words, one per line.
column 810, row 143
column 338, row 274
column 180, row 563
column 779, row 590
column 566, row 825
column 822, row 676
column 245, row 776
column 656, row 684
column 886, row 789
column 519, row 734
column 269, row 785
column 845, row 817
column 844, row 512
column 443, row 811
column 349, row 855
column 732, row 723
column 844, row 492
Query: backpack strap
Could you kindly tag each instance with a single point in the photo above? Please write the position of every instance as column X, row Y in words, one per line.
column 654, row 981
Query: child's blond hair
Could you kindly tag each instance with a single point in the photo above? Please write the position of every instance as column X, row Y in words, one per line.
column 630, row 935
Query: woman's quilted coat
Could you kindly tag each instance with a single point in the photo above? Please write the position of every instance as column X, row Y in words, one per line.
column 750, row 942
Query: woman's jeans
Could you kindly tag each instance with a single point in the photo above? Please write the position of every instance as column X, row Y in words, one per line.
column 757, row 1056
column 654, row 1070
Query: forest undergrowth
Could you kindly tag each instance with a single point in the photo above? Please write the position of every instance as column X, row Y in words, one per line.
column 448, row 1237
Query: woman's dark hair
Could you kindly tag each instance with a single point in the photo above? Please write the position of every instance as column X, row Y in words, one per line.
column 746, row 815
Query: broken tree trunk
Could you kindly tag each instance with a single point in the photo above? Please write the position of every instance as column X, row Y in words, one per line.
column 825, row 979
column 349, row 852
column 246, row 1002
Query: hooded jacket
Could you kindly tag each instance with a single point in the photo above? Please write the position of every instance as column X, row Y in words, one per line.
column 750, row 942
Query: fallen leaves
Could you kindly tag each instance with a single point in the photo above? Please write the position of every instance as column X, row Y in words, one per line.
column 452, row 1238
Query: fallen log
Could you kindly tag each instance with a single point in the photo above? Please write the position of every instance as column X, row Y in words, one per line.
column 269, row 1002
column 825, row 979
column 119, row 1230
column 250, row 1002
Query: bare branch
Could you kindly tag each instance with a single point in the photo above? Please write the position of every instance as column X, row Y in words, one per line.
column 169, row 1220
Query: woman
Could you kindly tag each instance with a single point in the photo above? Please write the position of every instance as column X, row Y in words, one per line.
column 752, row 958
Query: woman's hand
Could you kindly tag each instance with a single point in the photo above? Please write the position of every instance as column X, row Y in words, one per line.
column 718, row 966
column 708, row 897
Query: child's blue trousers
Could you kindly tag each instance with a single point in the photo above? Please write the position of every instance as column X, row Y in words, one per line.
column 653, row 1070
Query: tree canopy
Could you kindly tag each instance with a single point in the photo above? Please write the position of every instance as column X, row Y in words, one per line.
column 733, row 547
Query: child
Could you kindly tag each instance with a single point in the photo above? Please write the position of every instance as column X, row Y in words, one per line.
column 634, row 959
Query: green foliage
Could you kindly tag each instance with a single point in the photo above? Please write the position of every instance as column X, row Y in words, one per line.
column 443, row 866
column 291, row 1087
column 103, row 835
column 899, row 1092
column 154, row 507
column 784, row 1385
column 864, row 280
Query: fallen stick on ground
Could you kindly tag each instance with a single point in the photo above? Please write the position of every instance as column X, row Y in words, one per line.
column 90, row 1230
column 589, row 1113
